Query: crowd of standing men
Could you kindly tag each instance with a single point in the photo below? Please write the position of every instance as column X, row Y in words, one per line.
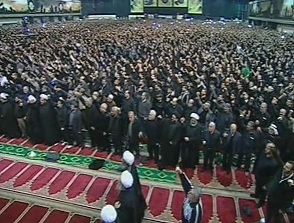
column 179, row 86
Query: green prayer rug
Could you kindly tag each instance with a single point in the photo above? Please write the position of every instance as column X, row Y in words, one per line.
column 84, row 162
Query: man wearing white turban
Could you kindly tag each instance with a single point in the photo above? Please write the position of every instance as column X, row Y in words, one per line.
column 128, row 203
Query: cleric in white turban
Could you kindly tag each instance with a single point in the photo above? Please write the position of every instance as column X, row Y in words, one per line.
column 109, row 214
column 129, row 161
column 128, row 203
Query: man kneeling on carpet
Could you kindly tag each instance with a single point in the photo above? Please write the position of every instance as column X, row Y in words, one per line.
column 192, row 207
column 128, row 206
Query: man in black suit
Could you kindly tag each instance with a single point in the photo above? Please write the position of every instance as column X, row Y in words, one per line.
column 115, row 130
column 102, row 127
column 151, row 131
column 233, row 145
column 211, row 142
column 75, row 126
column 280, row 192
column 134, row 131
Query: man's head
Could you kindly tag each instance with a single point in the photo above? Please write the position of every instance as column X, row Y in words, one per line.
column 211, row 127
column 289, row 168
column 194, row 194
column 131, row 116
column 233, row 128
column 103, row 108
column 152, row 115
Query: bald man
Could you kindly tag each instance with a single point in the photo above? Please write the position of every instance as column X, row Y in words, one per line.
column 211, row 142
column 233, row 145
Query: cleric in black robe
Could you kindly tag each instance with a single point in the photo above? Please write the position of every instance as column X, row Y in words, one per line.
column 192, row 207
column 129, row 159
column 33, row 120
column 128, row 203
column 8, row 120
column 48, row 121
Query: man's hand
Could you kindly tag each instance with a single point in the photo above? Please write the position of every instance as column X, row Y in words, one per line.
column 178, row 170
column 117, row 204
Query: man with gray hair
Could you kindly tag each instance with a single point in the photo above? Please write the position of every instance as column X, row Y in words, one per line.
column 192, row 207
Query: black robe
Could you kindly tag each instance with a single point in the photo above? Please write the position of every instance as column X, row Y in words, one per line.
column 49, row 123
column 9, row 124
column 137, row 186
column 129, row 206
column 34, row 123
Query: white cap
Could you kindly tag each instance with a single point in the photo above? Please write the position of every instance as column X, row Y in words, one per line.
column 195, row 116
column 44, row 97
column 108, row 214
column 128, row 157
column 31, row 99
column 3, row 96
column 110, row 96
column 126, row 179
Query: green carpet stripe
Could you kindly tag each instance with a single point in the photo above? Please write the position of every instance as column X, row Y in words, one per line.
column 84, row 161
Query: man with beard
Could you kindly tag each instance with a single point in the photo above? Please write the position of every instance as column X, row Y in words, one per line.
column 92, row 122
column 128, row 202
column 280, row 192
column 33, row 121
column 129, row 161
column 115, row 130
column 8, row 120
column 48, row 121
column 232, row 145
column 62, row 119
column 249, row 146
column 212, row 141
column 171, row 134
column 151, row 131
column 134, row 130
column 128, row 105
column 102, row 126
column 193, row 135
column 75, row 126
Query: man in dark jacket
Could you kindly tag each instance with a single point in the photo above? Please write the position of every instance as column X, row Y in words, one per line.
column 115, row 130
column 62, row 119
column 92, row 122
column 151, row 131
column 280, row 192
column 102, row 128
column 133, row 132
column 75, row 126
column 233, row 145
column 212, row 142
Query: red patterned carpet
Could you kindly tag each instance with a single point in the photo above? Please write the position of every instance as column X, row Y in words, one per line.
column 237, row 180
column 94, row 191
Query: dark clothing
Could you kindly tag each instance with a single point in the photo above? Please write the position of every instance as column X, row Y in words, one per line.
column 34, row 123
column 92, row 124
column 133, row 136
column 280, row 195
column 151, row 131
column 233, row 145
column 115, row 132
column 190, row 152
column 196, row 208
column 48, row 123
column 171, row 135
column 212, row 145
column 130, row 208
column 102, row 131
column 62, row 122
column 264, row 170
column 75, row 128
column 9, row 124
